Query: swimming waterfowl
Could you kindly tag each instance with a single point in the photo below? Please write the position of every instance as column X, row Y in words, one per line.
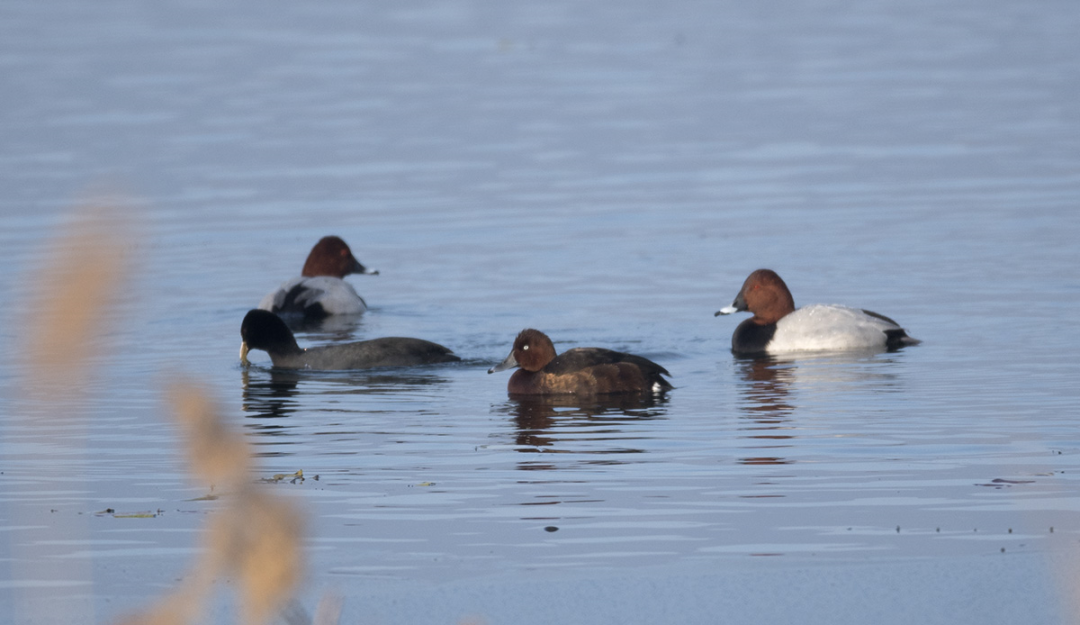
column 777, row 326
column 579, row 371
column 264, row 330
column 320, row 290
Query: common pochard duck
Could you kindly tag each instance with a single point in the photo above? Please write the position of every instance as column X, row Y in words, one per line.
column 320, row 290
column 778, row 327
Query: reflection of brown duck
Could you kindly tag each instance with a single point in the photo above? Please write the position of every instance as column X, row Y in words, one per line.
column 766, row 391
column 537, row 418
column 579, row 371
column 270, row 395
column 533, row 420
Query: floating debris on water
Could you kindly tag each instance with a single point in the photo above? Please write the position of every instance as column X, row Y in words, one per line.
column 292, row 477
column 137, row 515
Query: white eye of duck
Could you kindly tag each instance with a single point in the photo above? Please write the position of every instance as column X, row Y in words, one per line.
column 525, row 348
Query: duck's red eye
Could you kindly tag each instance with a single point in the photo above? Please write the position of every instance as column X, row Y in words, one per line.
column 344, row 252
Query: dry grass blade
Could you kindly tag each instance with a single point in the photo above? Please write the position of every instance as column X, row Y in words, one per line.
column 74, row 294
column 73, row 285
column 255, row 539
column 328, row 611
column 181, row 607
column 261, row 537
column 218, row 455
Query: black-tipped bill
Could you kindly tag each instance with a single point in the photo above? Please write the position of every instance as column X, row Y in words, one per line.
column 509, row 363
column 358, row 268
column 739, row 305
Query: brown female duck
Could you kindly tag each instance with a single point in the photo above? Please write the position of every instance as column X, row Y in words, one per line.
column 579, row 371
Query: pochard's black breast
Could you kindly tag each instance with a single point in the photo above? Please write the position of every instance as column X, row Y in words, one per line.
column 752, row 338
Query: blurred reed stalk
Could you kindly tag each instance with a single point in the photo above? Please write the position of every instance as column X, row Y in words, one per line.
column 73, row 288
column 255, row 539
column 74, row 296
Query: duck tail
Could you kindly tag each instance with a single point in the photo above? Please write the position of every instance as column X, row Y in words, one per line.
column 895, row 339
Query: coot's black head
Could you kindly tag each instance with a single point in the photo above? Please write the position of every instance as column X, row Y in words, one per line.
column 264, row 330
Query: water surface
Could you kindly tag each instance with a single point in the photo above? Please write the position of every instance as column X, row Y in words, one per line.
column 608, row 174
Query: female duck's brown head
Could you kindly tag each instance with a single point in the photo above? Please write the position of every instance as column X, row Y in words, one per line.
column 332, row 257
column 532, row 351
column 765, row 295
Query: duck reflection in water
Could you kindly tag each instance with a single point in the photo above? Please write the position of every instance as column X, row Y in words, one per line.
column 269, row 397
column 766, row 389
column 599, row 425
column 272, row 394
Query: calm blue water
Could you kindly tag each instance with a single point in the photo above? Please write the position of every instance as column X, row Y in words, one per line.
column 608, row 174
